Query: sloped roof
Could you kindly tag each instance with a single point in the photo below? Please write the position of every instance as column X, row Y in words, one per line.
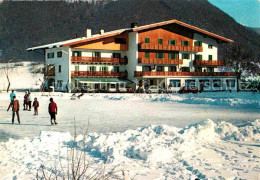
column 120, row 31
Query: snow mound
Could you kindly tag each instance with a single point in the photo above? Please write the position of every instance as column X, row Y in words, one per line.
column 205, row 150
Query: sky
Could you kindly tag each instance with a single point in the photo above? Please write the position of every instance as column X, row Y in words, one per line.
column 245, row 12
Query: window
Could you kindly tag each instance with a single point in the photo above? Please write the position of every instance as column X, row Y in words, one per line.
column 159, row 55
column 198, row 43
column 217, row 83
column 185, row 69
column 198, row 69
column 175, row 83
column 116, row 55
column 147, row 40
column 172, row 56
column 77, row 68
column 120, row 40
column 116, row 69
column 147, row 68
column 231, row 83
column 147, row 55
column 172, row 42
column 185, row 56
column 160, row 68
column 198, row 57
column 172, row 69
column 76, row 53
column 190, row 83
column 185, row 43
column 160, row 41
column 104, row 68
column 59, row 54
column 210, row 69
column 210, row 57
column 50, row 55
column 59, row 68
column 60, row 82
column 96, row 54
column 205, row 83
column 210, row 46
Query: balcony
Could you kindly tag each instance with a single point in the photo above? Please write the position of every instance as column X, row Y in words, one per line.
column 208, row 63
column 160, row 61
column 144, row 46
column 98, row 74
column 98, row 60
column 150, row 73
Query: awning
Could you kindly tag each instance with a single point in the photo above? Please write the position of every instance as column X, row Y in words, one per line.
column 102, row 80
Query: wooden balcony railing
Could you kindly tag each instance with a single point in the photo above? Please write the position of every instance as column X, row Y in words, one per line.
column 144, row 46
column 98, row 74
column 159, row 61
column 150, row 73
column 76, row 59
column 208, row 63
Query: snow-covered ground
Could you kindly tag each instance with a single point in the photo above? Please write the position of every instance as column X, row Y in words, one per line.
column 21, row 74
column 208, row 135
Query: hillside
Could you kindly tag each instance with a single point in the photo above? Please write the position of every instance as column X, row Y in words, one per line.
column 27, row 24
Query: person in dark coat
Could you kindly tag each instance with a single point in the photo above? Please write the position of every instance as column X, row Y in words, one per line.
column 53, row 109
column 15, row 108
column 29, row 101
column 35, row 105
column 25, row 101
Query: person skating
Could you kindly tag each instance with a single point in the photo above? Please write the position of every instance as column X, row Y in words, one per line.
column 53, row 109
column 25, row 101
column 12, row 95
column 29, row 101
column 15, row 108
column 35, row 105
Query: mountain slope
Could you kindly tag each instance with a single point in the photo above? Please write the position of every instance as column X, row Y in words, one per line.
column 27, row 24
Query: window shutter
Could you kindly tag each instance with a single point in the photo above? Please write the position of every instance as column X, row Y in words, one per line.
column 169, row 42
column 157, row 55
column 163, row 55
column 188, row 43
column 170, row 55
column 163, row 68
column 94, row 68
column 182, row 43
column 143, row 68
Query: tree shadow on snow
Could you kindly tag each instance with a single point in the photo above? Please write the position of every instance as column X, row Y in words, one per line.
column 26, row 124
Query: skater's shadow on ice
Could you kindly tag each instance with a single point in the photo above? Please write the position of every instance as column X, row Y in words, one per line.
column 27, row 124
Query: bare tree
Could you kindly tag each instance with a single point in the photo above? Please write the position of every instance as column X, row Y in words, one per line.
column 6, row 70
column 240, row 58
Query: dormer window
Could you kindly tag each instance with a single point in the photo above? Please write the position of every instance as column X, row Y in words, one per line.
column 198, row 43
column 147, row 40
column 172, row 42
column 50, row 55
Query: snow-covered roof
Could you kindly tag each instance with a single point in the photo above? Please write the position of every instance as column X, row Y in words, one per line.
column 120, row 31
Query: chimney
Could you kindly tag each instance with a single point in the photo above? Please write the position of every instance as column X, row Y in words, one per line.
column 88, row 33
column 133, row 25
column 102, row 31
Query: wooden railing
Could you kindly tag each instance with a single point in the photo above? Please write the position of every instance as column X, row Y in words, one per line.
column 98, row 74
column 208, row 63
column 159, row 61
column 170, row 47
column 150, row 73
column 76, row 59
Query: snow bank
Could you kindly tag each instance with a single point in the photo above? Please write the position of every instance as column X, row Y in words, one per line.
column 241, row 99
column 201, row 150
column 22, row 75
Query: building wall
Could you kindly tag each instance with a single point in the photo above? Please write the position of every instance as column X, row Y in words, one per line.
column 105, row 44
column 64, row 75
column 164, row 34
column 132, row 55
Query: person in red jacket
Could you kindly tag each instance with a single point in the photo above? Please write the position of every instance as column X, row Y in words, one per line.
column 15, row 108
column 35, row 105
column 53, row 109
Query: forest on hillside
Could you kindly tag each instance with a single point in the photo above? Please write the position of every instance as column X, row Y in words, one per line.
column 28, row 24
